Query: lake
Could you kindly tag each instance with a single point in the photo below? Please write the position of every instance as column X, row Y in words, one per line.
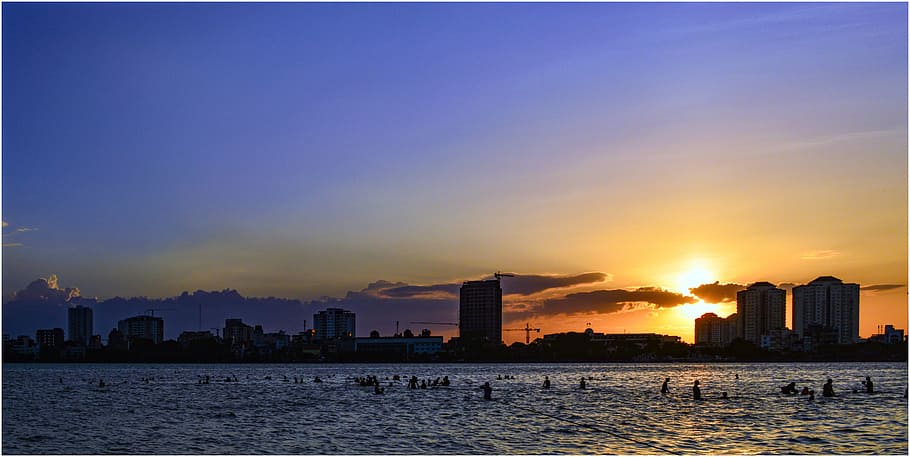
column 619, row 412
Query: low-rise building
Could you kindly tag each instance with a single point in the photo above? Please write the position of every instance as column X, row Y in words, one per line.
column 713, row 330
column 399, row 345
column 142, row 327
column 888, row 335
column 49, row 338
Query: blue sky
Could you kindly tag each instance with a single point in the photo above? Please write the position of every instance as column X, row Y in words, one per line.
column 304, row 150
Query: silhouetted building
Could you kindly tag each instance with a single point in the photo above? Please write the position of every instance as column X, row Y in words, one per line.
column 888, row 335
column 829, row 305
column 188, row 337
column 334, row 323
column 116, row 341
column 236, row 332
column 760, row 308
column 399, row 345
column 80, row 324
column 142, row 327
column 712, row 330
column 49, row 338
column 480, row 311
column 780, row 339
column 24, row 346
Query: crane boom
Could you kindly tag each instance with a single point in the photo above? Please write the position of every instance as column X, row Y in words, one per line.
column 527, row 331
column 436, row 323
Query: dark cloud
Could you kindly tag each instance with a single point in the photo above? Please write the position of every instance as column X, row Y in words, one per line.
column 437, row 290
column 717, row 292
column 880, row 287
column 532, row 284
column 47, row 290
column 613, row 300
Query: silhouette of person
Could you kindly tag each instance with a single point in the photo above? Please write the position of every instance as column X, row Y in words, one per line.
column 423, row 384
column 317, row 379
column 828, row 388
column 377, row 390
column 445, row 380
column 736, row 375
column 696, row 391
column 487, row 391
column 100, row 383
column 664, row 388
column 868, row 384
column 789, row 388
column 498, row 377
column 805, row 391
column 723, row 396
column 581, row 385
column 546, row 382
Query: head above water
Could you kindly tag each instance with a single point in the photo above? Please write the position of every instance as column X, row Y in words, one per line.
column 696, row 382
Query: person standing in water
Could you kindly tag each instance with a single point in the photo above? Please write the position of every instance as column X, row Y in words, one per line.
column 581, row 385
column 868, row 384
column 487, row 391
column 546, row 382
column 696, row 391
column 664, row 388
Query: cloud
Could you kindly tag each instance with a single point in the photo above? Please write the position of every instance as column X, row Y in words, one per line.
column 439, row 291
column 46, row 289
column 532, row 284
column 613, row 300
column 717, row 292
column 880, row 287
column 5, row 223
column 26, row 229
column 11, row 245
column 819, row 255
column 516, row 285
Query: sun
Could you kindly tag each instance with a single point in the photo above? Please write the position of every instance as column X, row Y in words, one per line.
column 691, row 278
column 692, row 311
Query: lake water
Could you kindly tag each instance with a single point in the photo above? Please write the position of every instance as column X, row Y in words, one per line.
column 620, row 411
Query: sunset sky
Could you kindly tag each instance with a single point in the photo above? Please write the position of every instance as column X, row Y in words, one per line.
column 633, row 151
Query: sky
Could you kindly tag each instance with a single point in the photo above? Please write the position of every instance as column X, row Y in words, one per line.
column 313, row 151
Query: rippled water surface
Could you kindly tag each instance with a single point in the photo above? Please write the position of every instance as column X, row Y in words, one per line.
column 620, row 411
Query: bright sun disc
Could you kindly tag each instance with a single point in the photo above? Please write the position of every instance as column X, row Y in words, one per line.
column 693, row 278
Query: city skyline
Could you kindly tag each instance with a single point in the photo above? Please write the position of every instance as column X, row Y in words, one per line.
column 613, row 156
column 291, row 315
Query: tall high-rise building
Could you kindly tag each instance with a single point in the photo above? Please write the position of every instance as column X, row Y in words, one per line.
column 480, row 311
column 712, row 330
column 80, row 324
column 334, row 323
column 760, row 308
column 142, row 327
column 827, row 305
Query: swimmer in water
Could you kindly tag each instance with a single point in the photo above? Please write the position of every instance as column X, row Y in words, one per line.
column 811, row 395
column 788, row 389
column 828, row 388
column 664, row 388
column 581, row 385
column 868, row 384
column 696, row 391
column 805, row 391
column 723, row 396
column 546, row 382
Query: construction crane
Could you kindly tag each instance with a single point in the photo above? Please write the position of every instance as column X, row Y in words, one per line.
column 527, row 331
column 499, row 275
column 151, row 311
column 436, row 323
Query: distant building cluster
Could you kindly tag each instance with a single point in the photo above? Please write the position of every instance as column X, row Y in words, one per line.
column 824, row 312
